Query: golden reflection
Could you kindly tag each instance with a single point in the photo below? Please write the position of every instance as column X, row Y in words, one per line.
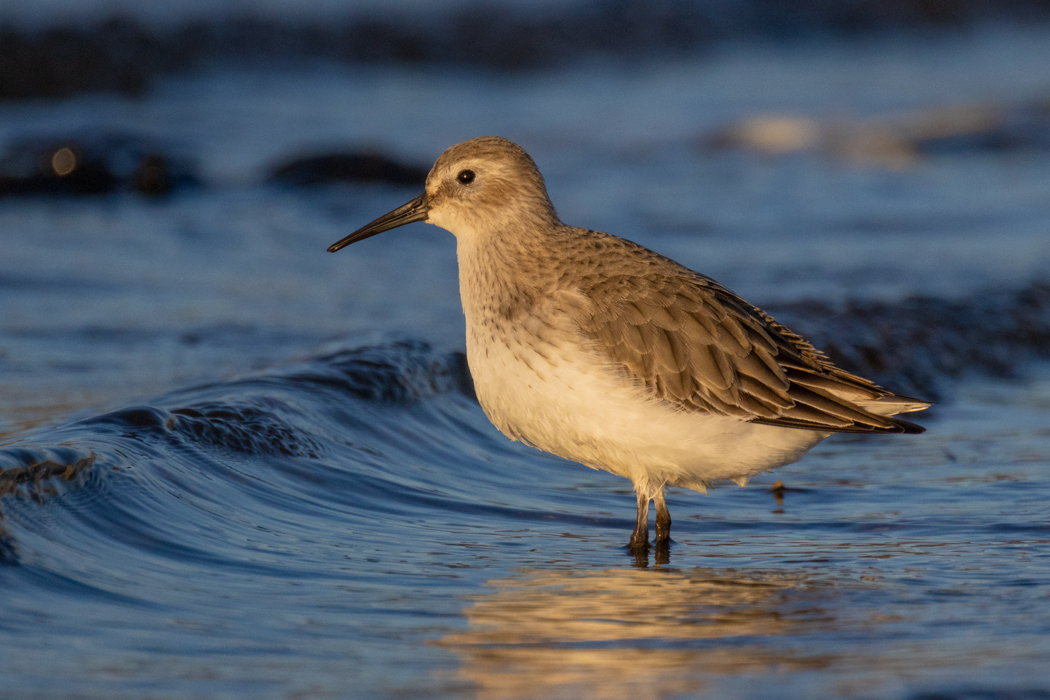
column 24, row 408
column 626, row 634
column 64, row 161
column 15, row 420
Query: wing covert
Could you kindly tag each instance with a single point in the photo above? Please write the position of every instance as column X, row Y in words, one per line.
column 697, row 345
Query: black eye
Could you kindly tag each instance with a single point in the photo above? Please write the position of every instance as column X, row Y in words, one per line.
column 465, row 177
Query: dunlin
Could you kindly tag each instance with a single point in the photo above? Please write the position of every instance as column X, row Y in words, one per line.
column 601, row 351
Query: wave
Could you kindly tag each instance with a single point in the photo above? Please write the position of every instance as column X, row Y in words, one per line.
column 305, row 421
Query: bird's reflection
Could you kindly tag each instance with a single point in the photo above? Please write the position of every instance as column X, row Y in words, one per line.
column 661, row 552
column 631, row 633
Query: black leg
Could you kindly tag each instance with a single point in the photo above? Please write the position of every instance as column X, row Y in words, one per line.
column 663, row 519
column 640, row 536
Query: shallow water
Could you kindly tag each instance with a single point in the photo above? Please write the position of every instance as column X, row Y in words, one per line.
column 236, row 466
column 353, row 526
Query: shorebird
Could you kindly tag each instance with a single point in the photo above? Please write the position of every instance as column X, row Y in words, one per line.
column 601, row 351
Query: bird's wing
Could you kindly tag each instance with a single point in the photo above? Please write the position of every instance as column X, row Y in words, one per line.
column 697, row 345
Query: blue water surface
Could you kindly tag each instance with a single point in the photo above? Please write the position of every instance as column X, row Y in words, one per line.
column 236, row 466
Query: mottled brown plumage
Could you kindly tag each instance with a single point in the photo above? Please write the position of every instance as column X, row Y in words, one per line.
column 694, row 343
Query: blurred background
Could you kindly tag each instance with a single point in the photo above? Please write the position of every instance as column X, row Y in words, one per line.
column 200, row 407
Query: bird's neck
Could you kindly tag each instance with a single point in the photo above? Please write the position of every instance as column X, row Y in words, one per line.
column 503, row 273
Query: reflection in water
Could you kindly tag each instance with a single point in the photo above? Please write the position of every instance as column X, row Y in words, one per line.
column 630, row 633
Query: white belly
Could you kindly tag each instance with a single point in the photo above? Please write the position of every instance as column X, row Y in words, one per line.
column 556, row 395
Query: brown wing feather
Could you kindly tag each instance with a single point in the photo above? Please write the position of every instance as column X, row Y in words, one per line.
column 697, row 345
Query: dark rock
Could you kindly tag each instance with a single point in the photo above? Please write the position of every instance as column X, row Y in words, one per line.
column 319, row 169
column 92, row 164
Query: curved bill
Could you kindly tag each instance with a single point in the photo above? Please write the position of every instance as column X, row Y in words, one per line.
column 416, row 210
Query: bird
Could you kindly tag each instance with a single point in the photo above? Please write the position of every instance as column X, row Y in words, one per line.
column 603, row 352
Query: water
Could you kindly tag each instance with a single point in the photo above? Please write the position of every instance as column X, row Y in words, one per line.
column 237, row 466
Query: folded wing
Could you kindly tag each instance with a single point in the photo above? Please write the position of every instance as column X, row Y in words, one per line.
column 697, row 345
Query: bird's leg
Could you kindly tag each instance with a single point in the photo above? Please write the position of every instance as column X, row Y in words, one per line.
column 663, row 518
column 640, row 536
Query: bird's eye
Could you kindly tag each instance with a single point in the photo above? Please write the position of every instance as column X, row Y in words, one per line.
column 465, row 177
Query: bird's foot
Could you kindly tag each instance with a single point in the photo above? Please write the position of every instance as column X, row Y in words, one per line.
column 638, row 544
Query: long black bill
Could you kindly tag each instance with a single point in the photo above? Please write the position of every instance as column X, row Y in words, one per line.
column 416, row 210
